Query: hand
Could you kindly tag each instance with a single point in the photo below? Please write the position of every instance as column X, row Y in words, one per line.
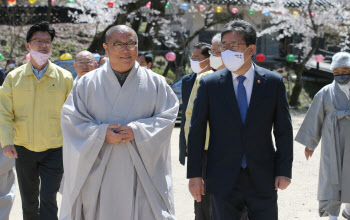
column 111, row 136
column 10, row 151
column 127, row 132
column 196, row 187
column 282, row 182
column 308, row 153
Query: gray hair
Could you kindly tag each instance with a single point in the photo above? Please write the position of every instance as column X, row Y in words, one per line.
column 216, row 38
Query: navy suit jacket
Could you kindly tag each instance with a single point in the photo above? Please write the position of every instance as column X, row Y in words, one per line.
column 230, row 138
column 186, row 88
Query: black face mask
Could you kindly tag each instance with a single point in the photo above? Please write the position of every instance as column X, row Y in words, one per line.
column 342, row 79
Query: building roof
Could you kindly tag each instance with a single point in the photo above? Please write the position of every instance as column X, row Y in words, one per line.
column 32, row 14
column 287, row 3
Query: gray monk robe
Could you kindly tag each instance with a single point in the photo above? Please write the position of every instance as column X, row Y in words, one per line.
column 329, row 117
column 7, row 185
column 128, row 181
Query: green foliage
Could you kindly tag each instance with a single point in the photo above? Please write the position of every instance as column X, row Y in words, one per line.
column 82, row 34
column 142, row 27
column 55, row 53
column 70, row 48
column 57, row 45
column 169, row 78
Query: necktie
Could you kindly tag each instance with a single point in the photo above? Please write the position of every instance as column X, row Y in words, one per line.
column 243, row 107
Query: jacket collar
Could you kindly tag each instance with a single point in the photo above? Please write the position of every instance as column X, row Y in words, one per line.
column 50, row 71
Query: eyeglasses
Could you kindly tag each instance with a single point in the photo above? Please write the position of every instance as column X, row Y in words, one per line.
column 39, row 42
column 120, row 46
column 232, row 46
column 344, row 72
column 85, row 63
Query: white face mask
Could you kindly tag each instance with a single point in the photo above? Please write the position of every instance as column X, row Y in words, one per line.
column 12, row 65
column 195, row 66
column 40, row 58
column 215, row 62
column 233, row 60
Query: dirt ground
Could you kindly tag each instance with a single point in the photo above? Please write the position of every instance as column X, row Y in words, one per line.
column 296, row 202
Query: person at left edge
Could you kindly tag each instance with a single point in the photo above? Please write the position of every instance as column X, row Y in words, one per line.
column 31, row 100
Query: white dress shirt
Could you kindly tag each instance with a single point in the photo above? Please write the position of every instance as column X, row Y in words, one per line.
column 248, row 82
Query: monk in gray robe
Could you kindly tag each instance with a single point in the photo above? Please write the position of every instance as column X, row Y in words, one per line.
column 117, row 124
column 7, row 185
column 329, row 117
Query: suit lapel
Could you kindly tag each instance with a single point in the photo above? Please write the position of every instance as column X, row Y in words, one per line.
column 227, row 84
column 257, row 93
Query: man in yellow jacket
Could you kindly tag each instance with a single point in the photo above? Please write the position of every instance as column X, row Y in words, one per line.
column 30, row 105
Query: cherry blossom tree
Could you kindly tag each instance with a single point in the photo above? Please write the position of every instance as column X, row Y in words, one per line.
column 160, row 24
column 105, row 13
column 309, row 23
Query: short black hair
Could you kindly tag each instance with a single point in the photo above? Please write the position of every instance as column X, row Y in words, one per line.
column 204, row 47
column 148, row 57
column 10, row 59
column 245, row 29
column 43, row 27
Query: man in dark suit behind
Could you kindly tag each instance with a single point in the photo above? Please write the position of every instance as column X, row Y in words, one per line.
column 186, row 88
column 242, row 103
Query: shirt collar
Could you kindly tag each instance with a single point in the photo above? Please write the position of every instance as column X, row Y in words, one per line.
column 40, row 71
column 249, row 74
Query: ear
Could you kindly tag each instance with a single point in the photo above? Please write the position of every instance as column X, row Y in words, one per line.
column 149, row 65
column 252, row 49
column 75, row 66
column 94, row 65
column 106, row 48
column 27, row 47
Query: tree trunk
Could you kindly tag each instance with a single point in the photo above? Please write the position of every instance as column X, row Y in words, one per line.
column 136, row 22
column 298, row 85
column 97, row 43
column 49, row 10
column 294, row 98
column 167, row 68
column 153, row 23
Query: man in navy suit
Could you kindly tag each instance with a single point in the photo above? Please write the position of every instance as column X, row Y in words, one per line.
column 242, row 104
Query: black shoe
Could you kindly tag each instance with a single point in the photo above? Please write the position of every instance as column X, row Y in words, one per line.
column 345, row 215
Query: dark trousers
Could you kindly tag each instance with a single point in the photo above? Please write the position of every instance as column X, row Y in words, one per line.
column 232, row 206
column 34, row 169
column 202, row 209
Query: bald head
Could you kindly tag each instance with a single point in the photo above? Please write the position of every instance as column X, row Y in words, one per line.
column 84, row 63
column 85, row 54
column 120, row 29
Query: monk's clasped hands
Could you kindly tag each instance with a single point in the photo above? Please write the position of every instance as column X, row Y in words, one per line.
column 117, row 133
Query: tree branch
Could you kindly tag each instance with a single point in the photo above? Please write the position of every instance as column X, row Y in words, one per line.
column 189, row 39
